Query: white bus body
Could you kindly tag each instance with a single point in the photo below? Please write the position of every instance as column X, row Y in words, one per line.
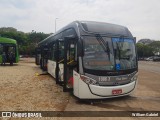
column 92, row 61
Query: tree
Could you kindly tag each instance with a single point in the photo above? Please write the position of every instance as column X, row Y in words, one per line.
column 155, row 46
column 26, row 41
column 140, row 50
column 144, row 50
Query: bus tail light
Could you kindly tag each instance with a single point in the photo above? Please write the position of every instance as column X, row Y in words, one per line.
column 88, row 80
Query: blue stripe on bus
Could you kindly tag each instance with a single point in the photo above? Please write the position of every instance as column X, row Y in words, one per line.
column 122, row 40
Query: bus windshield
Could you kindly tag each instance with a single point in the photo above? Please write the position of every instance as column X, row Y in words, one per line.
column 98, row 55
column 125, row 55
column 104, row 53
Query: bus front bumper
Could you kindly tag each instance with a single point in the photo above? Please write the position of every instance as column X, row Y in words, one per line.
column 104, row 91
column 101, row 92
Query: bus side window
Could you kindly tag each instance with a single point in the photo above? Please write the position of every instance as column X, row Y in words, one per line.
column 70, row 33
column 61, row 50
column 49, row 54
column 72, row 51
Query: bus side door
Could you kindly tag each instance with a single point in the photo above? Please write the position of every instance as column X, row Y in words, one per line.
column 70, row 62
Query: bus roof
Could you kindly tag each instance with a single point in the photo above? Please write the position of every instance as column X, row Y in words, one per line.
column 93, row 27
column 7, row 40
column 104, row 28
column 45, row 40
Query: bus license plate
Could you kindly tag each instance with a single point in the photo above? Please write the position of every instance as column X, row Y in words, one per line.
column 116, row 92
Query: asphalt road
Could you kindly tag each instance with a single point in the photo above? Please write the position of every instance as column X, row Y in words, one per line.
column 153, row 67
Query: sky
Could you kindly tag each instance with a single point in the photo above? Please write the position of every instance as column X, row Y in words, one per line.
column 141, row 17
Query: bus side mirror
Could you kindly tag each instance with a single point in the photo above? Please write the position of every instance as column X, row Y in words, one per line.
column 135, row 39
column 80, row 51
column 80, row 48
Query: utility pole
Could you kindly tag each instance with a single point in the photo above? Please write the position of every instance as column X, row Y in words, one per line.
column 55, row 24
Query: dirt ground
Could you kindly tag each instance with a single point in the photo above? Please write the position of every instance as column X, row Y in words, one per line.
column 23, row 87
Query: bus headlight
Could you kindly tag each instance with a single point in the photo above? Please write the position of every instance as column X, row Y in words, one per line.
column 88, row 80
column 135, row 77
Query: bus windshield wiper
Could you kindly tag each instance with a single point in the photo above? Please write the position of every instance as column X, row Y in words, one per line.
column 104, row 45
column 119, row 52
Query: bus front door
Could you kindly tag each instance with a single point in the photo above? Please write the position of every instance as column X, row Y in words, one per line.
column 70, row 62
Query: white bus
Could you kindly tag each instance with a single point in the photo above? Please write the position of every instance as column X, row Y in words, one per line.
column 95, row 60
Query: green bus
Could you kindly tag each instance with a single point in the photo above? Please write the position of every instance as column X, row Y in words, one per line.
column 8, row 45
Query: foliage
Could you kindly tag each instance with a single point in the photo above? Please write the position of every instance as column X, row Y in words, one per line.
column 155, row 46
column 148, row 49
column 26, row 41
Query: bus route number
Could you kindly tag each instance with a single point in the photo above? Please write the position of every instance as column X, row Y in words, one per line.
column 104, row 79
